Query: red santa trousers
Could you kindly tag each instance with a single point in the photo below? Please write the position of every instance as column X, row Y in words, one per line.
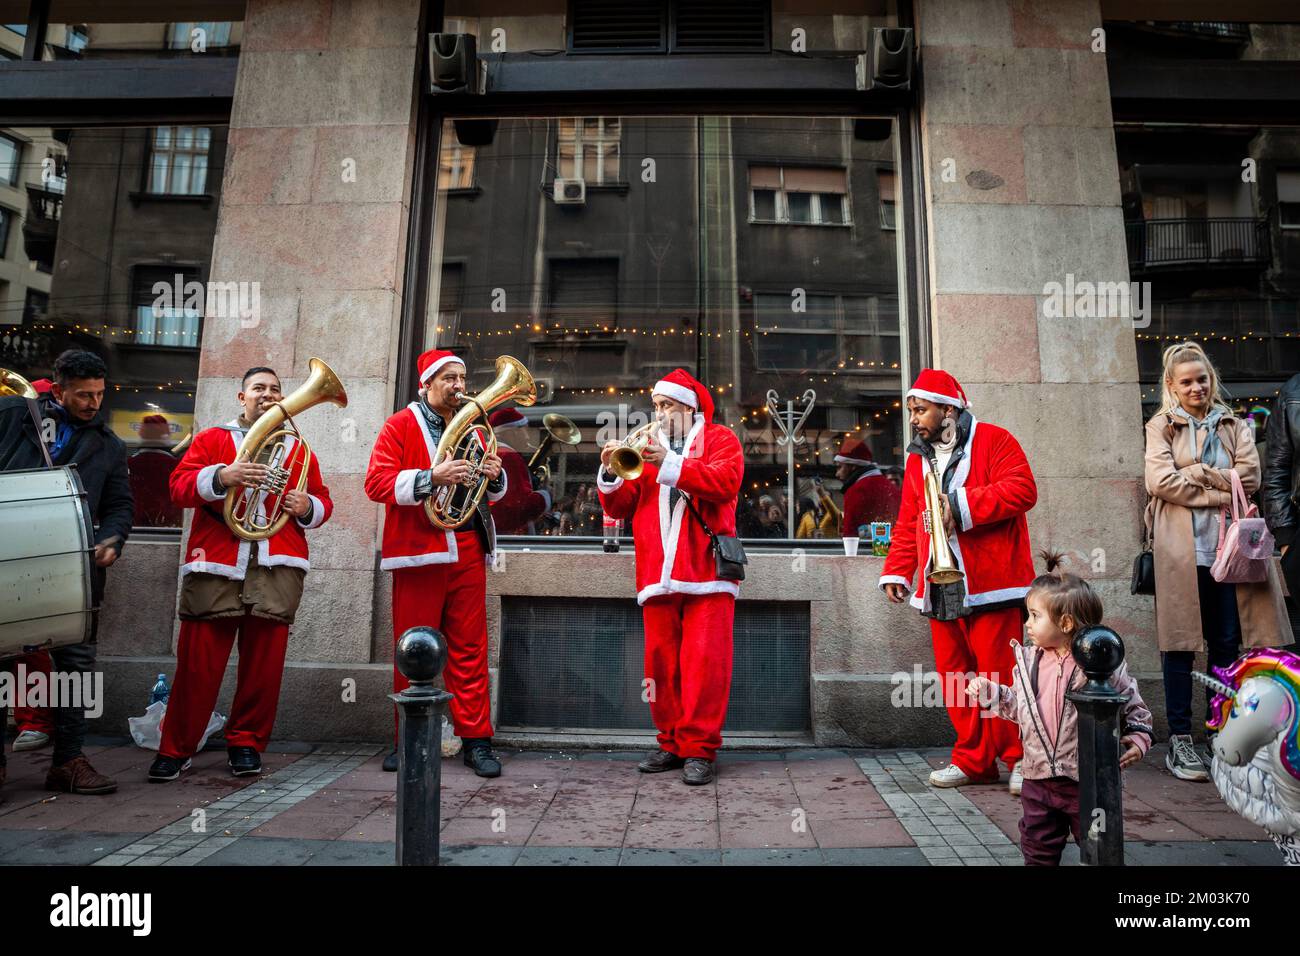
column 688, row 656
column 980, row 644
column 202, row 652
column 452, row 598
column 40, row 719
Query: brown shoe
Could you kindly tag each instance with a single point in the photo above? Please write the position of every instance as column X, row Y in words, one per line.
column 78, row 776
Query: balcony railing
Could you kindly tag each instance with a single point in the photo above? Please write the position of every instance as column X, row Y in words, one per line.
column 1216, row 29
column 1154, row 243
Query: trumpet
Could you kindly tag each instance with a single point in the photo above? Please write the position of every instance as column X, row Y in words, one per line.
column 452, row 506
column 626, row 461
column 558, row 429
column 943, row 569
column 11, row 383
column 268, row 443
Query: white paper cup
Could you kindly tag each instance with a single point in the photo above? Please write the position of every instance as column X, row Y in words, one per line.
column 850, row 546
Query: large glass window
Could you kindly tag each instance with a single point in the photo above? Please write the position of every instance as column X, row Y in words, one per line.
column 749, row 250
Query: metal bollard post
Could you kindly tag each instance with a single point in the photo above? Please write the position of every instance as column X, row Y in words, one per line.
column 420, row 655
column 1098, row 651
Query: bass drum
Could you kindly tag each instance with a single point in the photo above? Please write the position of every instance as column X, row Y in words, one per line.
column 46, row 543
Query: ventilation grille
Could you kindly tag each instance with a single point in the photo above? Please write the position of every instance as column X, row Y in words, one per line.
column 570, row 664
column 719, row 25
column 601, row 25
column 659, row 26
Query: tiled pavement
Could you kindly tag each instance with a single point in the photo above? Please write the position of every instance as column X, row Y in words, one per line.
column 333, row 805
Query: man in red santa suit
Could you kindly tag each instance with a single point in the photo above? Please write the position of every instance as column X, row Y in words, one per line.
column 439, row 577
column 687, row 610
column 234, row 590
column 522, row 503
column 868, row 495
column 987, row 488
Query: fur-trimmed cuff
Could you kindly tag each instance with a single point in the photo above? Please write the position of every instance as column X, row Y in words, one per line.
column 316, row 517
column 894, row 579
column 203, row 483
column 498, row 495
column 404, row 486
column 963, row 509
column 608, row 487
column 670, row 472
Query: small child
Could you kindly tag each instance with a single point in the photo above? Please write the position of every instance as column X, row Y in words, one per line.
column 1060, row 605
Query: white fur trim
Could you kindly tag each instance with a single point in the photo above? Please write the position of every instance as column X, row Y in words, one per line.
column 276, row 560
column 936, row 398
column 317, row 514
column 450, row 556
column 404, row 486
column 671, row 469
column 505, row 486
column 962, row 471
column 678, row 393
column 234, row 571
column 893, row 579
column 966, row 522
column 841, row 460
column 432, row 370
column 203, row 482
column 429, row 443
column 609, row 487
column 687, row 587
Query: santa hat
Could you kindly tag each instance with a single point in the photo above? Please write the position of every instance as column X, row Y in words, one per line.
column 854, row 451
column 507, row 418
column 432, row 360
column 42, row 386
column 936, row 385
column 680, row 386
column 153, row 427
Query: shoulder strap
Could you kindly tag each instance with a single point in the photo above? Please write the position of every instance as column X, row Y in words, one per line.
column 40, row 438
column 691, row 507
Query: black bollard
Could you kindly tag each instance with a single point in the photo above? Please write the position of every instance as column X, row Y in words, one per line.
column 420, row 655
column 1098, row 651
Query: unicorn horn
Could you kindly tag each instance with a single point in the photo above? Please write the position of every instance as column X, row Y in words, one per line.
column 1218, row 686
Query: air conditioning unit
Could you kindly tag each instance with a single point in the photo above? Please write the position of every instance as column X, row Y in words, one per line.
column 570, row 192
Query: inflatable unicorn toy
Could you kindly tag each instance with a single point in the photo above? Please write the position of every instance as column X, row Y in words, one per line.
column 1256, row 766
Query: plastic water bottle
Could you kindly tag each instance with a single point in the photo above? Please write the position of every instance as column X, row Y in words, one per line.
column 612, row 528
column 160, row 691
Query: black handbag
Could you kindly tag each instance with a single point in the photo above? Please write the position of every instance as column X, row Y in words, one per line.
column 728, row 553
column 1144, row 566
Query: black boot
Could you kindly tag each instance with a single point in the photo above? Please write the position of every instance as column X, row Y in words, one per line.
column 659, row 761
column 390, row 763
column 164, row 769
column 479, row 756
column 244, row 761
column 698, row 771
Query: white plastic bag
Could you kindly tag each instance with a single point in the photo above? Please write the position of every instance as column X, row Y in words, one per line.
column 450, row 742
column 146, row 731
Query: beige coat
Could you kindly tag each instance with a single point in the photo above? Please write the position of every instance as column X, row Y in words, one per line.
column 1177, row 483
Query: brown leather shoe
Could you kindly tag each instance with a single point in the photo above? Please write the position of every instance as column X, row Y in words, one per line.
column 78, row 776
column 698, row 771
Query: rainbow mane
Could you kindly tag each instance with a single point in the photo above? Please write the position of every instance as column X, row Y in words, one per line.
column 1282, row 667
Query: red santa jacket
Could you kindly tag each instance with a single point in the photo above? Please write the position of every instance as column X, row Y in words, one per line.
column 404, row 448
column 673, row 554
column 214, row 548
column 994, row 488
column 872, row 497
column 520, row 504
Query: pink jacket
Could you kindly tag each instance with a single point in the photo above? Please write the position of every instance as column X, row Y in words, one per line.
column 1019, row 703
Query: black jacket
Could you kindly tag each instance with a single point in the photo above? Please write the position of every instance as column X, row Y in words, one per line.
column 1281, row 486
column 100, row 457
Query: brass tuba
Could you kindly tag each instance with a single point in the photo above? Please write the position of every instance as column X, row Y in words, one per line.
column 626, row 460
column 11, row 383
column 943, row 569
column 558, row 429
column 451, row 506
column 265, row 443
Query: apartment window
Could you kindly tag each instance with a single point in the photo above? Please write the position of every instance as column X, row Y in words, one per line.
column 584, row 294
column 455, row 166
column 806, row 196
column 165, row 316
column 11, row 154
column 888, row 198
column 35, row 306
column 6, row 217
column 181, row 36
column 589, row 149
column 1288, row 198
column 178, row 160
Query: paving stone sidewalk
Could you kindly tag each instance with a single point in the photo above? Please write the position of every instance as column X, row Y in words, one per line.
column 332, row 804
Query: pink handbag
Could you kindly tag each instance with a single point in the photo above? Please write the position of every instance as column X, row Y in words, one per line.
column 1247, row 547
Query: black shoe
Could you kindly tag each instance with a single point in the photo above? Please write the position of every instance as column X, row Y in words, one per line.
column 390, row 763
column 479, row 756
column 244, row 761
column 167, row 768
column 698, row 771
column 660, row 761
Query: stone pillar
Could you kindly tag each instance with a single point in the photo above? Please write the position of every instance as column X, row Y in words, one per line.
column 1022, row 191
column 314, row 210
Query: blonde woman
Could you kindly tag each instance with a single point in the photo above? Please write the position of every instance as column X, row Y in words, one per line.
column 1192, row 443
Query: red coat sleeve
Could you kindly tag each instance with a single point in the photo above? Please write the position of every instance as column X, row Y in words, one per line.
column 322, row 505
column 901, row 562
column 386, row 480
column 1011, row 489
column 619, row 500
column 190, row 483
column 521, row 503
column 713, row 476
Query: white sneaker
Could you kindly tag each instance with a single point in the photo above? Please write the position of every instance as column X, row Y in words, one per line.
column 31, row 740
column 950, row 776
column 1017, row 780
column 1183, row 761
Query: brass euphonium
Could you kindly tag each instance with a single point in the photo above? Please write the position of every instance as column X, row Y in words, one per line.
column 265, row 443
column 451, row 506
column 943, row 569
column 11, row 383
column 558, row 429
column 626, row 461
